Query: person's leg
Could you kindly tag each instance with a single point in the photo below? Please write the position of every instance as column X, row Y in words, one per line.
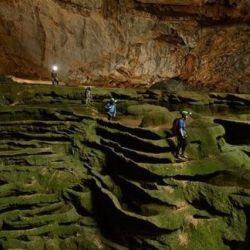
column 179, row 146
column 183, row 146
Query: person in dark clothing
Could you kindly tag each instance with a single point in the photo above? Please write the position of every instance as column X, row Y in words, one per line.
column 179, row 129
column 54, row 76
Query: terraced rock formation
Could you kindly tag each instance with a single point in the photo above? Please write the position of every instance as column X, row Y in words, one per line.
column 73, row 180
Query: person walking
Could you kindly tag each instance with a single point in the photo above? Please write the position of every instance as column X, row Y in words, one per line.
column 54, row 76
column 111, row 109
column 180, row 131
column 88, row 95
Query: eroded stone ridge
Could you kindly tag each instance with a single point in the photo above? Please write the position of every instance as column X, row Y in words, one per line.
column 69, row 180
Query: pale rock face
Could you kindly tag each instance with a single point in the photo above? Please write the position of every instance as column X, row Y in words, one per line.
column 127, row 42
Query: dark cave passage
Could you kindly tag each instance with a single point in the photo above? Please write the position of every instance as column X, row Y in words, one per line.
column 237, row 132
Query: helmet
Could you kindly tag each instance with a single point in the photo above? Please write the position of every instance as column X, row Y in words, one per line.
column 185, row 113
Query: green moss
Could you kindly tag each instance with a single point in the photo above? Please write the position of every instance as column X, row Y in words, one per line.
column 68, row 178
column 33, row 243
column 204, row 139
column 142, row 109
column 151, row 115
column 37, row 221
column 82, row 199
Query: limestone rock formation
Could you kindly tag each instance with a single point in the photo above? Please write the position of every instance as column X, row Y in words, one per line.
column 128, row 42
column 73, row 180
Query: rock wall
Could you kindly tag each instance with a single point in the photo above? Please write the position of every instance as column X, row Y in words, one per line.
column 128, row 42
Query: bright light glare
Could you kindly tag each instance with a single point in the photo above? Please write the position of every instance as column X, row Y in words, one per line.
column 55, row 68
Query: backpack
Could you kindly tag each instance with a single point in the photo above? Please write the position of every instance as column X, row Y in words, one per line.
column 107, row 106
column 175, row 126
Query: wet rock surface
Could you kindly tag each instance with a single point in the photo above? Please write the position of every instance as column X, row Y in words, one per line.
column 70, row 179
column 128, row 42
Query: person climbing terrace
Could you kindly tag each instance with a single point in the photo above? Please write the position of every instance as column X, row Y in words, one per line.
column 88, row 95
column 54, row 75
column 110, row 108
column 179, row 130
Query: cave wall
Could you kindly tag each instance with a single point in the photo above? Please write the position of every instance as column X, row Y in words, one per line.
column 128, row 42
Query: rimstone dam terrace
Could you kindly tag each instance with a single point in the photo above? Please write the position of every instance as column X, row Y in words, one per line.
column 75, row 175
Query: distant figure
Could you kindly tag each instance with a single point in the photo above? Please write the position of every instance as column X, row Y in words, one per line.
column 179, row 130
column 88, row 95
column 54, row 75
column 110, row 108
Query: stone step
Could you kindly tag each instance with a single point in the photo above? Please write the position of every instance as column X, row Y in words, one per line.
column 138, row 132
column 26, row 152
column 130, row 141
column 36, row 136
column 160, row 223
column 10, row 203
column 139, row 156
column 41, row 220
column 161, row 194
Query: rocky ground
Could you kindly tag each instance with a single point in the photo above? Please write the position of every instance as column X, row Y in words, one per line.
column 70, row 179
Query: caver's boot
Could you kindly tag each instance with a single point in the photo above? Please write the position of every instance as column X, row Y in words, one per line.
column 177, row 156
column 183, row 156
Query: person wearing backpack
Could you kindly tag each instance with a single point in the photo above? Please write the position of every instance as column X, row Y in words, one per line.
column 110, row 108
column 179, row 130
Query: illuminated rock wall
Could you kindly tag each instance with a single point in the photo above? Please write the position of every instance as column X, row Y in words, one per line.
column 128, row 42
